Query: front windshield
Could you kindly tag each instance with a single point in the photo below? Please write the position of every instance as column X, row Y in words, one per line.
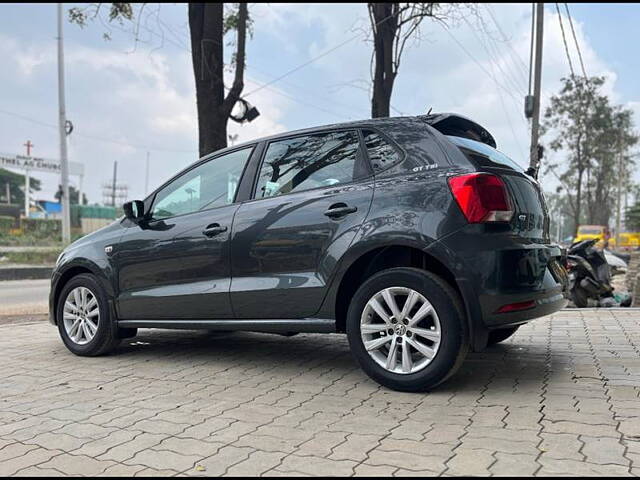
column 590, row 230
column 483, row 153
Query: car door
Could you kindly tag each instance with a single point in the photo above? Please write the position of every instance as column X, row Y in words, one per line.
column 176, row 264
column 311, row 196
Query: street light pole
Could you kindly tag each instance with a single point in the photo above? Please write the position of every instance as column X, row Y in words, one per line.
column 62, row 119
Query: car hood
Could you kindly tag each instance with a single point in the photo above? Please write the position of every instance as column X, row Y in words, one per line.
column 96, row 235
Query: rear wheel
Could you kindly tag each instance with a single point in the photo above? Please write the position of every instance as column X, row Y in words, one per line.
column 580, row 297
column 497, row 336
column 407, row 329
column 83, row 317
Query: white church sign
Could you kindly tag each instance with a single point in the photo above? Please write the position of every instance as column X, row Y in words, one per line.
column 38, row 164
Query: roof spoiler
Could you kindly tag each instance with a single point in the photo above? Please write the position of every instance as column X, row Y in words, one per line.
column 454, row 124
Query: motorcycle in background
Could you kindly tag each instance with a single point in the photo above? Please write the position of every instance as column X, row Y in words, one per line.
column 589, row 274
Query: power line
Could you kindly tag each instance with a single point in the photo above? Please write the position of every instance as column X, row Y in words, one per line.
column 575, row 39
column 564, row 40
column 97, row 138
column 533, row 22
column 493, row 57
column 516, row 57
column 462, row 47
column 259, row 85
column 317, row 57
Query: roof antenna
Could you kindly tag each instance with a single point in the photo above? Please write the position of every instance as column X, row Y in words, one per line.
column 429, row 112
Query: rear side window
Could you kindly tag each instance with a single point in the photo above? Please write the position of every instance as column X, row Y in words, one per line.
column 381, row 153
column 306, row 162
column 482, row 154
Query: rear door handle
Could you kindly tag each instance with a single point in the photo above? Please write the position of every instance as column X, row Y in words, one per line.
column 213, row 230
column 340, row 210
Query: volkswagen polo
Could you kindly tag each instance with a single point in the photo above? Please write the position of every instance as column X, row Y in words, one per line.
column 414, row 236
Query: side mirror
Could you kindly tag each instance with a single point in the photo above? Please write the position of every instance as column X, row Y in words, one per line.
column 134, row 210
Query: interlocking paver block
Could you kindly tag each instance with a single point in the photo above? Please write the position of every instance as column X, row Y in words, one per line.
column 470, row 462
column 77, row 465
column 603, row 450
column 317, row 466
column 560, row 397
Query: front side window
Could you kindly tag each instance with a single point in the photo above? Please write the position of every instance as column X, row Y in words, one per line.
column 381, row 153
column 307, row 162
column 209, row 185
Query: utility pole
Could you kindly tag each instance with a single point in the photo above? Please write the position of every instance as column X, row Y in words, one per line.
column 534, row 156
column 146, row 177
column 64, row 164
column 113, row 188
column 27, row 181
column 621, row 181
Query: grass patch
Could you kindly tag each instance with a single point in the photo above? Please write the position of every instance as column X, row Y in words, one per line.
column 47, row 257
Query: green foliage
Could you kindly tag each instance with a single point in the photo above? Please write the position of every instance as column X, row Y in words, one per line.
column 632, row 218
column 117, row 12
column 16, row 185
column 6, row 223
column 42, row 228
column 73, row 195
column 33, row 231
column 47, row 257
column 232, row 18
column 594, row 137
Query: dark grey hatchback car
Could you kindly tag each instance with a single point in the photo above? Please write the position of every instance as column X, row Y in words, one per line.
column 414, row 236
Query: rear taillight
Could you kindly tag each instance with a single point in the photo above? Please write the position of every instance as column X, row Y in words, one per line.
column 482, row 197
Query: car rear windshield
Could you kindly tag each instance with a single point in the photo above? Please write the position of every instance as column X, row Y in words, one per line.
column 483, row 154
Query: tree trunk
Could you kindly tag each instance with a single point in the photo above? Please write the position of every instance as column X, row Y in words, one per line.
column 207, row 54
column 384, row 18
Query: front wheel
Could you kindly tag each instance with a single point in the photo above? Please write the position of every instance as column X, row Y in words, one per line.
column 580, row 297
column 84, row 320
column 407, row 330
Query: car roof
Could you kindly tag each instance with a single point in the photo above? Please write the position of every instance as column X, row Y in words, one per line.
column 371, row 122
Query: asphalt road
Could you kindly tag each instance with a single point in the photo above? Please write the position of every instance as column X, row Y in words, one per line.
column 24, row 297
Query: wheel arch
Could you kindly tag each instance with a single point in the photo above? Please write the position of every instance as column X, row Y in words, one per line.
column 381, row 258
column 402, row 255
column 72, row 271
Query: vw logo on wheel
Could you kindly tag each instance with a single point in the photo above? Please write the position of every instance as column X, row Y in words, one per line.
column 400, row 329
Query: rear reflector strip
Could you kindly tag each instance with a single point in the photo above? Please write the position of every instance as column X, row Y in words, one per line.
column 516, row 307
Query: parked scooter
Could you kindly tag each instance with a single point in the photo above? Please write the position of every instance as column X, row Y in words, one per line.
column 589, row 274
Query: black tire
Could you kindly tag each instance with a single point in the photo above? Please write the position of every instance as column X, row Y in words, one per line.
column 580, row 297
column 106, row 337
column 454, row 341
column 497, row 336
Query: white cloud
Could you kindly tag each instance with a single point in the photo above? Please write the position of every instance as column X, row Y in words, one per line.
column 147, row 97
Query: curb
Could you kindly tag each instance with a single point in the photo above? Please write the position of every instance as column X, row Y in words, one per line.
column 25, row 273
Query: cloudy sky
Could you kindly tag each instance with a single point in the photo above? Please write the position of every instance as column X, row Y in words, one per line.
column 128, row 97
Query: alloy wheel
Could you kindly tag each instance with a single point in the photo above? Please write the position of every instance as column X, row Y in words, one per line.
column 400, row 330
column 81, row 315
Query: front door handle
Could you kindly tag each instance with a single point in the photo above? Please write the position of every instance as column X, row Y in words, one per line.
column 213, row 230
column 338, row 210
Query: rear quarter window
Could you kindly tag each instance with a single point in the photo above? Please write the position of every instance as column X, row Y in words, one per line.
column 382, row 154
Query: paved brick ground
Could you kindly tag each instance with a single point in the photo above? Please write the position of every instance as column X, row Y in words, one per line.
column 560, row 398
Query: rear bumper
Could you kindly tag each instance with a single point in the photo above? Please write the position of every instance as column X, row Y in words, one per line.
column 494, row 271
